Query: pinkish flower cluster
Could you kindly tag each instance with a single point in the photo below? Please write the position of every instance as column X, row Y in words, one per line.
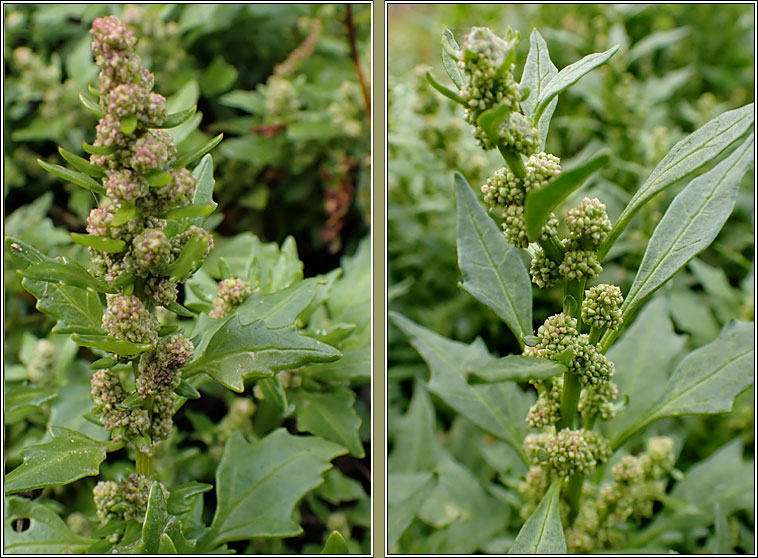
column 126, row 318
column 160, row 368
column 231, row 293
column 126, row 499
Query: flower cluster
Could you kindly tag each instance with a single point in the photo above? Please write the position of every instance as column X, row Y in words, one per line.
column 486, row 60
column 160, row 368
column 506, row 194
column 568, row 451
column 126, row 499
column 598, row 401
column 546, row 411
column 127, row 318
column 231, row 293
column 602, row 306
column 41, row 367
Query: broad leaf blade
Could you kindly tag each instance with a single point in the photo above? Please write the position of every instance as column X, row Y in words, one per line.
column 685, row 158
column 279, row 309
column 543, row 533
column 497, row 408
column 540, row 203
column 406, row 494
column 538, row 71
column 331, row 416
column 512, row 368
column 707, row 381
column 68, row 457
column 492, row 269
column 22, row 400
column 47, row 532
column 568, row 76
column 156, row 518
column 235, row 352
column 690, row 224
column 258, row 484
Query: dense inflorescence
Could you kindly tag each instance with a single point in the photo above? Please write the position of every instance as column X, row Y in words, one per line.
column 231, row 293
column 126, row 499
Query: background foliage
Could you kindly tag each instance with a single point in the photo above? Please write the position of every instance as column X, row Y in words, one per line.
column 671, row 75
column 292, row 182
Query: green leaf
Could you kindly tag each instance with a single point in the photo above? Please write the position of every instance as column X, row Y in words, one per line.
column 158, row 178
column 415, row 446
column 331, row 415
column 690, row 224
column 187, row 390
column 335, row 544
column 91, row 105
column 349, row 300
column 274, row 393
column 68, row 457
column 259, row 484
column 111, row 245
column 67, row 272
column 128, row 125
column 279, row 309
column 166, row 545
column 123, row 214
column 22, row 400
column 218, row 77
column 705, row 382
column 47, row 532
column 203, row 172
column 176, row 118
column 406, row 494
column 722, row 540
column 538, row 71
column 180, row 499
column 177, row 308
column 156, row 518
column 449, row 93
column 491, row 119
column 98, row 149
column 110, row 344
column 450, row 63
column 191, row 210
column 235, row 352
column 497, row 408
column 81, row 164
column 543, row 533
column 353, row 367
column 540, row 203
column 493, row 272
column 685, row 158
column 190, row 257
column 75, row 177
column 339, row 488
column 649, row 344
column 186, row 158
column 512, row 368
column 568, row 76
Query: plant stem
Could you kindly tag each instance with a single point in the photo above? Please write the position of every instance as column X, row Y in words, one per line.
column 571, row 390
column 552, row 247
column 514, row 162
column 144, row 464
column 574, row 495
column 595, row 333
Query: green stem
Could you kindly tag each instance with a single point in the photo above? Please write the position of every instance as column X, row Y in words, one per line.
column 574, row 495
column 595, row 333
column 514, row 162
column 144, row 464
column 569, row 399
column 552, row 246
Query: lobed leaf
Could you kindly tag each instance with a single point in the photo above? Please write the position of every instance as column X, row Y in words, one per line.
column 67, row 272
column 686, row 157
column 279, row 309
column 75, row 177
column 540, row 203
column 492, row 269
column 543, row 533
column 406, row 494
column 567, row 77
column 690, row 224
column 258, row 484
column 47, row 532
column 67, row 458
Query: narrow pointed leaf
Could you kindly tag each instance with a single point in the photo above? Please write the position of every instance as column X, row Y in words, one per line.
column 68, row 457
column 92, row 90
column 686, row 157
column 492, row 269
column 540, row 203
column 568, row 76
column 236, row 352
column 335, row 544
column 110, row 344
column 538, row 71
column 98, row 149
column 543, row 533
column 91, row 105
column 156, row 518
column 111, row 245
column 259, row 484
column 75, row 177
column 491, row 119
column 705, row 382
column 105, row 362
column 690, row 224
column 512, row 368
column 273, row 392
column 189, row 259
column 332, row 416
column 449, row 93
column 186, row 158
column 187, row 390
column 177, row 308
column 81, row 164
column 191, row 210
column 450, row 63
column 203, row 172
column 177, row 118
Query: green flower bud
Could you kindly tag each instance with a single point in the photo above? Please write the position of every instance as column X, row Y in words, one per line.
column 598, row 401
column 602, row 306
column 589, row 223
column 578, row 264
